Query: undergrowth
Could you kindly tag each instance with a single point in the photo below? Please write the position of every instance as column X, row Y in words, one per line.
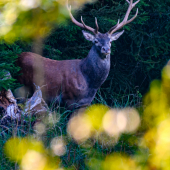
column 77, row 154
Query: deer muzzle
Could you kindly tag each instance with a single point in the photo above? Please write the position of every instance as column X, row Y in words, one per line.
column 105, row 50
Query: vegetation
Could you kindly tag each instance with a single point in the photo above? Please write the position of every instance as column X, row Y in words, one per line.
column 137, row 58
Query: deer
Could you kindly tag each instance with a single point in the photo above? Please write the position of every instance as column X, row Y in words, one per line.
column 74, row 83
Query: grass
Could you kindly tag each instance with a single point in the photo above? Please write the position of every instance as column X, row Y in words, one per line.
column 77, row 156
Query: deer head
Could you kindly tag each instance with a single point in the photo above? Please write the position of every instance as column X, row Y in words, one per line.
column 102, row 41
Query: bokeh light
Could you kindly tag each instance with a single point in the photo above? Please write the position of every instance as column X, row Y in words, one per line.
column 79, row 127
column 119, row 162
column 58, row 146
column 33, row 160
column 99, row 119
column 117, row 121
column 29, row 4
column 156, row 120
column 129, row 120
column 39, row 128
column 30, row 154
column 95, row 114
column 18, row 147
column 110, row 123
column 33, row 18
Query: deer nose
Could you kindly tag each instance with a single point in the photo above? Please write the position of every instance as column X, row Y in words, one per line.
column 105, row 50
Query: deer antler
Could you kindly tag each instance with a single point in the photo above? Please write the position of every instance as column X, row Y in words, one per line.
column 125, row 20
column 82, row 25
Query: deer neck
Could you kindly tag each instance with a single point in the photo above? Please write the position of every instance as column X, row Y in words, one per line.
column 95, row 67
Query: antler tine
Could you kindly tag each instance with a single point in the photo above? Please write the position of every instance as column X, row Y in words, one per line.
column 125, row 20
column 82, row 25
column 85, row 26
column 131, row 6
column 68, row 7
column 132, row 17
column 133, row 3
column 97, row 26
column 114, row 26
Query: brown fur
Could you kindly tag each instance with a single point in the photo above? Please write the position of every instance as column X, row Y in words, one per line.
column 62, row 79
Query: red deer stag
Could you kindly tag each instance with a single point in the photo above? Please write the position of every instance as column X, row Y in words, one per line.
column 75, row 82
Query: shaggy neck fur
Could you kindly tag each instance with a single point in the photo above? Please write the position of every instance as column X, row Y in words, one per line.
column 95, row 67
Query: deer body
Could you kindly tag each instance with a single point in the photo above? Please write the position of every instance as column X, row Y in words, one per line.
column 73, row 83
column 75, row 86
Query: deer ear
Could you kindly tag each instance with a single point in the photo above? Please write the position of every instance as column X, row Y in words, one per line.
column 88, row 36
column 116, row 35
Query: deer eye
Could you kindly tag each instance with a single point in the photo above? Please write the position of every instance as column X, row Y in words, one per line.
column 95, row 41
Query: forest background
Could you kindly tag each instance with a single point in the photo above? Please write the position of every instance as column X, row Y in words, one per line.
column 138, row 56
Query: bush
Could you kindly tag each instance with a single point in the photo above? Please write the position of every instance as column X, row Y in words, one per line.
column 8, row 56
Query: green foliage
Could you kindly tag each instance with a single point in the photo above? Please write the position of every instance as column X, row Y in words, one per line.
column 8, row 56
column 137, row 56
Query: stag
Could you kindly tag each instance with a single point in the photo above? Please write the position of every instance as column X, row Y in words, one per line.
column 74, row 83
